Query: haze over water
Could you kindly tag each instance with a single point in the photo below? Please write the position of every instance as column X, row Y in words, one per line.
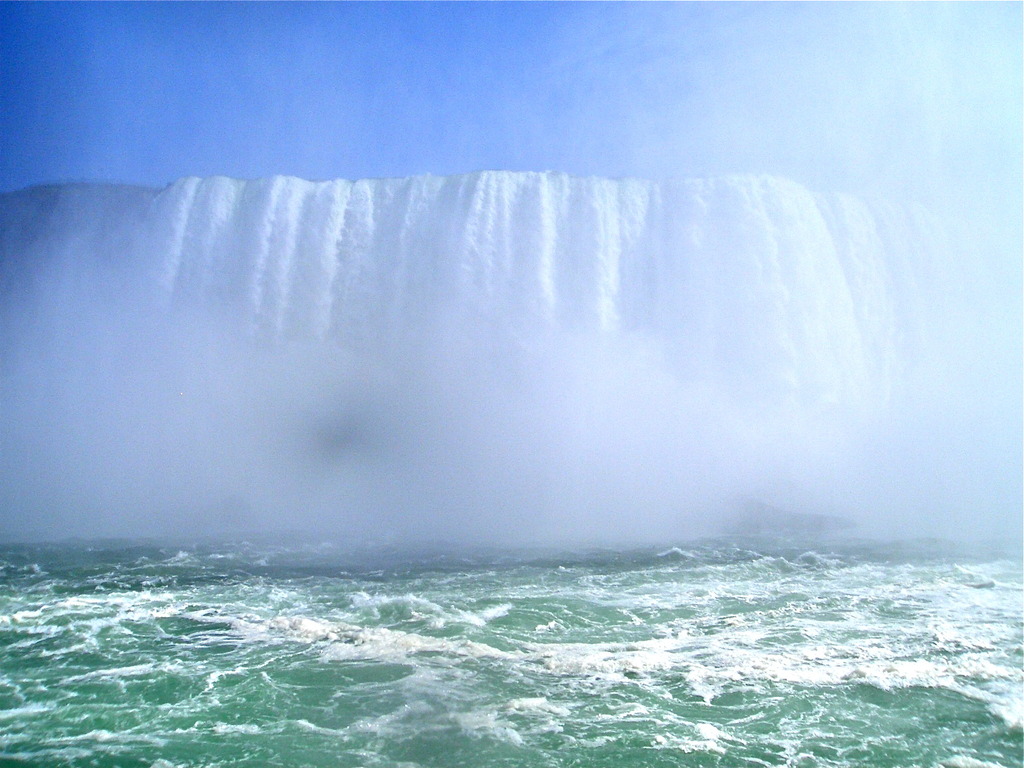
column 495, row 357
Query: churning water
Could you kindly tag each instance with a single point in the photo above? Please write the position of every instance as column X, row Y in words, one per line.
column 712, row 654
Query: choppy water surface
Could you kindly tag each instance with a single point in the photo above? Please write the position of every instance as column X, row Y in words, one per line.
column 721, row 654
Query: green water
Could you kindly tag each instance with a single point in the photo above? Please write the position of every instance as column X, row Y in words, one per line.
column 719, row 654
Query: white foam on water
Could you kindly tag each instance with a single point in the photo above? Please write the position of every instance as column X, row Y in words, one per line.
column 962, row 761
column 134, row 670
column 84, row 623
column 433, row 614
column 216, row 675
column 486, row 615
column 710, row 732
column 933, row 648
column 21, row 617
column 308, row 630
column 630, row 711
column 537, row 704
column 393, row 724
column 709, row 740
column 537, row 715
column 57, row 755
column 1005, row 700
column 554, row 624
column 119, row 601
column 956, row 639
column 608, row 661
column 386, row 644
column 246, row 729
column 305, row 725
column 674, row 551
column 480, row 724
column 347, row 641
column 104, row 736
column 974, row 579
column 27, row 710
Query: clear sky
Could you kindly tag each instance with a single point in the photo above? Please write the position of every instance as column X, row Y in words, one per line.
column 859, row 97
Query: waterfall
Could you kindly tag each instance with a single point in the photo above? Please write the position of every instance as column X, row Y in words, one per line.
column 628, row 320
column 750, row 281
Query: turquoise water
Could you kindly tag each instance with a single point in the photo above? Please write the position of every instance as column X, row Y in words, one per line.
column 712, row 654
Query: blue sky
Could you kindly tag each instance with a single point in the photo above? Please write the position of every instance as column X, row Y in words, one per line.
column 858, row 97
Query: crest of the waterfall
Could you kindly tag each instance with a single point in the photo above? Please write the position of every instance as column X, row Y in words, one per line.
column 531, row 341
